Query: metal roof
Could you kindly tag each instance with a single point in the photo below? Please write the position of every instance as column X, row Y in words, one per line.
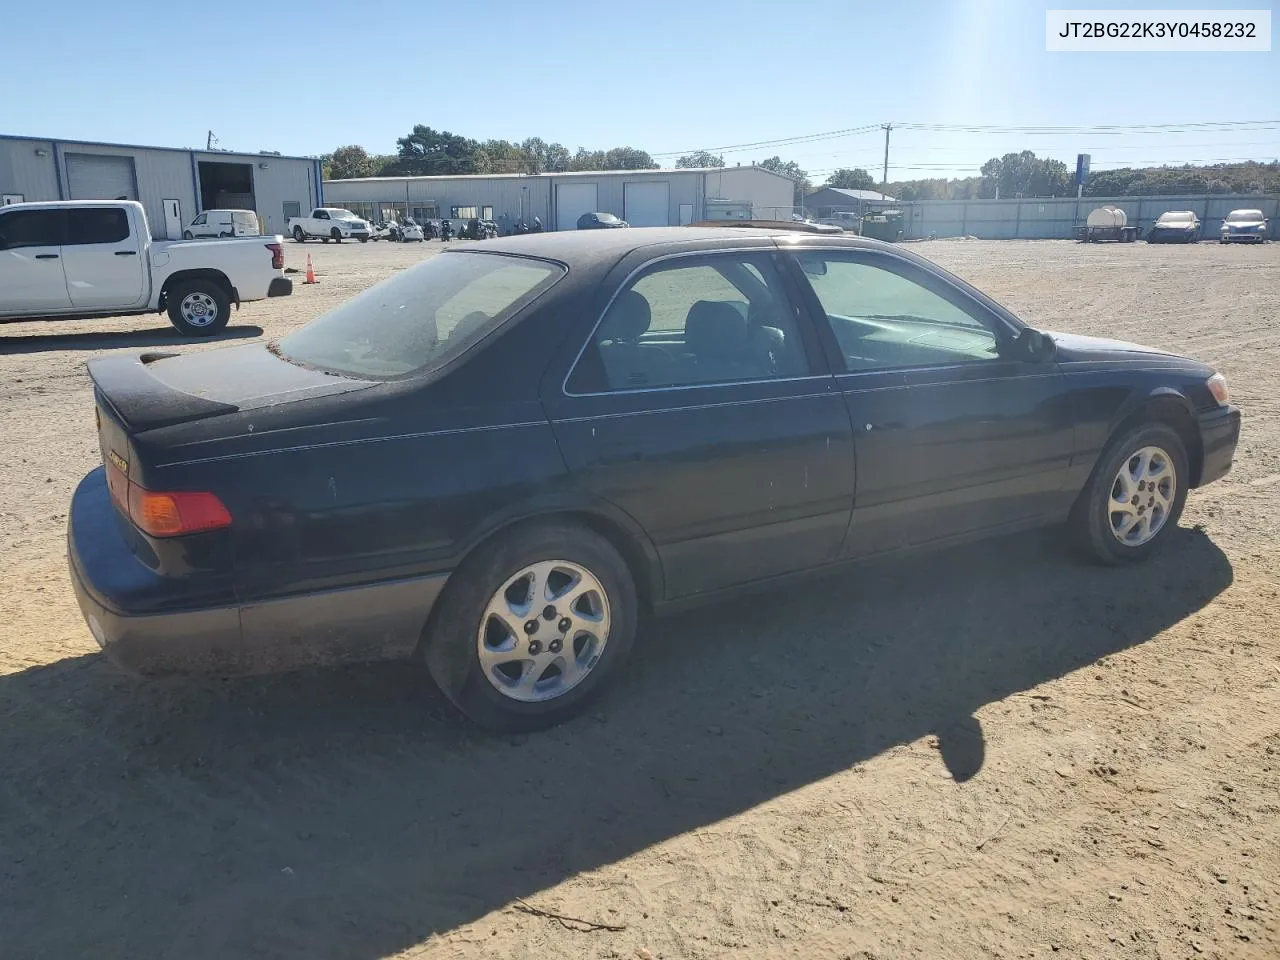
column 663, row 172
column 137, row 146
column 852, row 194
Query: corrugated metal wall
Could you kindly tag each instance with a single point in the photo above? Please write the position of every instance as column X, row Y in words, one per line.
column 161, row 175
column 768, row 193
column 1051, row 219
column 772, row 197
column 24, row 172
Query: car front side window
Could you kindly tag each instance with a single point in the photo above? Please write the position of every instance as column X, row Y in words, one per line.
column 883, row 318
column 722, row 318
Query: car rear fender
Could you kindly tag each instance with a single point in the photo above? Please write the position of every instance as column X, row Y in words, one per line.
column 604, row 518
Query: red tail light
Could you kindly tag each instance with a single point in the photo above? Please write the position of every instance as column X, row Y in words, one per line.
column 277, row 256
column 176, row 514
column 162, row 514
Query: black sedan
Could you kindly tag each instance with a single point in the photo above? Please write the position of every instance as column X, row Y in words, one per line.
column 600, row 221
column 494, row 461
column 1175, row 226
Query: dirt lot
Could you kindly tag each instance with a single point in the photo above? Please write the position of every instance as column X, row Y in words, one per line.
column 995, row 752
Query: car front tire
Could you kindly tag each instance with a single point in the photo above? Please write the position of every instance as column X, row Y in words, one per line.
column 1134, row 497
column 532, row 625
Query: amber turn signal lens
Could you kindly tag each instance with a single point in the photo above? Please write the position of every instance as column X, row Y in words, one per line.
column 1217, row 385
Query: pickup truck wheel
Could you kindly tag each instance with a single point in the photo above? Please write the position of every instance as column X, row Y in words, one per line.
column 198, row 308
column 336, row 234
column 298, row 235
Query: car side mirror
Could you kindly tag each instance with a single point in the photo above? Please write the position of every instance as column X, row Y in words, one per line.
column 1035, row 346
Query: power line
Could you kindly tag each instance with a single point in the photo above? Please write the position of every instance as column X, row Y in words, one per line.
column 1100, row 129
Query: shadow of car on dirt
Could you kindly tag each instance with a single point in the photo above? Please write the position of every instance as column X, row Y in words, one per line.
column 345, row 814
column 117, row 339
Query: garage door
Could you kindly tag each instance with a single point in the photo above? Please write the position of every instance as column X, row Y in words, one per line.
column 647, row 204
column 97, row 177
column 572, row 201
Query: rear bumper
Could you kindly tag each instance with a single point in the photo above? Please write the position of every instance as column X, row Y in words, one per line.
column 280, row 287
column 148, row 624
column 1219, row 434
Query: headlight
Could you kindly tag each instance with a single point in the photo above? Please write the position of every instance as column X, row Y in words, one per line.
column 1217, row 385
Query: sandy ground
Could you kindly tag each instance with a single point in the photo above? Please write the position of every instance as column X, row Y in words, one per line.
column 993, row 752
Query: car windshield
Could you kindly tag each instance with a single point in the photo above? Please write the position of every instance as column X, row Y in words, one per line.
column 419, row 320
column 606, row 218
column 1244, row 216
column 343, row 215
column 1177, row 216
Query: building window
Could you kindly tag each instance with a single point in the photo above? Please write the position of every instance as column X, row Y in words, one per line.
column 463, row 213
column 422, row 214
column 486, row 213
column 292, row 208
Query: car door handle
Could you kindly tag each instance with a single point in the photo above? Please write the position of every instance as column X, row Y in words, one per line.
column 126, row 253
column 46, row 256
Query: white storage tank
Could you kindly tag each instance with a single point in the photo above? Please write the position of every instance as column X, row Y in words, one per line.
column 1107, row 216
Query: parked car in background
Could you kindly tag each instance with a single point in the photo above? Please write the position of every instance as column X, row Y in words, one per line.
column 600, row 221
column 383, row 230
column 1175, row 226
column 410, row 230
column 86, row 258
column 329, row 223
column 495, row 459
column 223, row 223
column 1244, row 226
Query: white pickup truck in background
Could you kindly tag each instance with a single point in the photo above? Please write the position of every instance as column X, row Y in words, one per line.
column 90, row 258
column 329, row 223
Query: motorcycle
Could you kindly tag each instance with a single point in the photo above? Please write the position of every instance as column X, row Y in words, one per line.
column 446, row 231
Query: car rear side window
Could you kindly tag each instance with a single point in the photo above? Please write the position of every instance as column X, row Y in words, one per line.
column 30, row 228
column 419, row 320
column 97, row 225
column 723, row 318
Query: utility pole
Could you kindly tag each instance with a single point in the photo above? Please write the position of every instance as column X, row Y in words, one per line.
column 884, row 181
column 209, row 141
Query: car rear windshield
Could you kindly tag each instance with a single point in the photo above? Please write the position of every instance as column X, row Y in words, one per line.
column 419, row 320
column 1244, row 216
column 1177, row 217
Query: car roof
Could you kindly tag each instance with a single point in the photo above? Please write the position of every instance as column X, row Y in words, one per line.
column 576, row 245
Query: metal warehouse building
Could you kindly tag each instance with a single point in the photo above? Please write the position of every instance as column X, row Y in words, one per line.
column 644, row 198
column 173, row 184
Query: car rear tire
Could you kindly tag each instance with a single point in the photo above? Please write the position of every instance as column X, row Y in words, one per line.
column 531, row 626
column 1134, row 497
column 299, row 236
column 198, row 308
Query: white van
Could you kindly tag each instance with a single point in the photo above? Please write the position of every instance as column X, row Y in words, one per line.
column 223, row 223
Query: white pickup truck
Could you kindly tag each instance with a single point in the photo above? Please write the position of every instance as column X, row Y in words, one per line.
column 89, row 258
column 329, row 223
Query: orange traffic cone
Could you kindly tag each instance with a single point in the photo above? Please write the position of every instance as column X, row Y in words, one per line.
column 311, row 271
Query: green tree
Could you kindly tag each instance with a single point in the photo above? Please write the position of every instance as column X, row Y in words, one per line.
column 855, row 179
column 428, row 152
column 700, row 158
column 348, row 163
column 543, row 157
column 789, row 168
column 628, row 158
column 1026, row 174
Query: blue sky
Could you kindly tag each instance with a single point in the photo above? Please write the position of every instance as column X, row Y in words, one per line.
column 304, row 76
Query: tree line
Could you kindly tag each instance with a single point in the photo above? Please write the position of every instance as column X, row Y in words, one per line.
column 425, row 151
